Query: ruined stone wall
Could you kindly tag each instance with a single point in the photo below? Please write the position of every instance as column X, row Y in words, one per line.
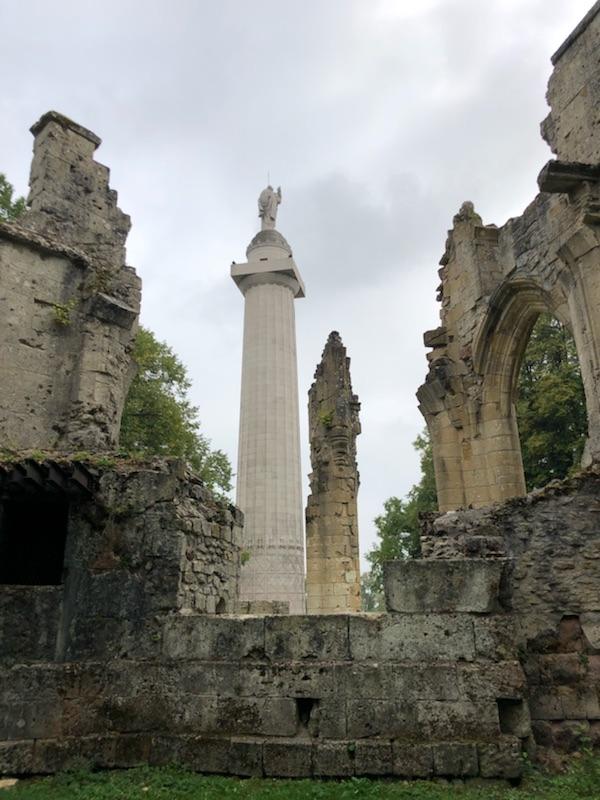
column 552, row 542
column 496, row 281
column 492, row 638
column 572, row 128
column 120, row 664
column 414, row 695
column 148, row 539
column 332, row 553
column 68, row 302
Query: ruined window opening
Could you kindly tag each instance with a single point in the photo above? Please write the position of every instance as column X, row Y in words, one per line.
column 551, row 407
column 221, row 607
column 305, row 706
column 33, row 531
column 511, row 714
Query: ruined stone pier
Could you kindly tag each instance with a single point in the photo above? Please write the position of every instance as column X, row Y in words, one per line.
column 332, row 553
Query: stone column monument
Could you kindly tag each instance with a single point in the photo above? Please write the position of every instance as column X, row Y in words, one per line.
column 332, row 562
column 269, row 486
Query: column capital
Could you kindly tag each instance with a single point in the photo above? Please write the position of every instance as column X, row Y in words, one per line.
column 271, row 270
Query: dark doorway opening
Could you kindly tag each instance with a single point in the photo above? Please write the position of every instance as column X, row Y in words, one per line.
column 33, row 532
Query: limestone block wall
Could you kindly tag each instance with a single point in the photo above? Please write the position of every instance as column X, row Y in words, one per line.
column 118, row 662
column 572, row 126
column 68, row 302
column 490, row 645
column 414, row 695
column 496, row 281
column 146, row 539
column 332, row 548
column 552, row 541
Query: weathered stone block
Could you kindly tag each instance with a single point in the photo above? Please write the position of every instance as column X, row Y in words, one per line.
column 16, row 758
column 415, row 637
column 412, row 760
column 213, row 638
column 545, row 704
column 579, row 702
column 332, row 760
column 31, row 720
column 455, row 760
column 502, row 759
column 306, row 637
column 206, row 754
column 248, row 716
column 303, row 680
column 132, row 750
column 423, row 586
column 372, row 680
column 373, row 757
column 245, row 757
column 329, row 719
column 590, row 624
column 477, row 681
column 439, row 721
column 495, row 637
column 380, row 718
column 287, row 759
column 561, row 668
column 54, row 755
column 419, row 681
column 40, row 606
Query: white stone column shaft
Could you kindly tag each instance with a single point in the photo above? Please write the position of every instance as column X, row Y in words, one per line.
column 269, row 485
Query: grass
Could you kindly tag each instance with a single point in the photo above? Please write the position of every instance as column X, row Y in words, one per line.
column 173, row 783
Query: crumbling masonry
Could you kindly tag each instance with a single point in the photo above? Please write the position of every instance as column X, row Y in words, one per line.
column 496, row 281
column 119, row 644
column 69, row 302
column 332, row 558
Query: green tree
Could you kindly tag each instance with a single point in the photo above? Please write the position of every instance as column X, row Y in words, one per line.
column 370, row 598
column 9, row 209
column 398, row 526
column 551, row 407
column 158, row 419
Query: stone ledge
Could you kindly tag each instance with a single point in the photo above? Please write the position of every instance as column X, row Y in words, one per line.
column 274, row 757
column 420, row 586
column 68, row 124
column 14, row 232
column 565, row 176
column 576, row 33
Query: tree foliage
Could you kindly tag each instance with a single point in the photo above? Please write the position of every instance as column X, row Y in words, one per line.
column 551, row 407
column 398, row 526
column 10, row 208
column 158, row 418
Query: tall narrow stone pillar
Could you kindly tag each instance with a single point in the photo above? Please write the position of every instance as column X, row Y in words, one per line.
column 269, row 486
column 332, row 557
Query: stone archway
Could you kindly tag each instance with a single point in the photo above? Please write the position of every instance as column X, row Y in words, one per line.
column 498, row 352
column 495, row 281
column 491, row 297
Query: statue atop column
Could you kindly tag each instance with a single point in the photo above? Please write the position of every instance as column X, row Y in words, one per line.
column 268, row 200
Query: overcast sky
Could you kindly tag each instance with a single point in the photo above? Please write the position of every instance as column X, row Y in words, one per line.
column 377, row 117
